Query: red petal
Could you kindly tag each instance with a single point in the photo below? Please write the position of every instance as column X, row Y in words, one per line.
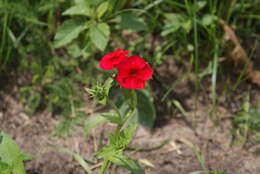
column 105, row 62
column 133, row 62
column 111, row 60
column 130, row 82
column 145, row 73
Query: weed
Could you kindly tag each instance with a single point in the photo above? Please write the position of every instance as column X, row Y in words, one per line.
column 247, row 124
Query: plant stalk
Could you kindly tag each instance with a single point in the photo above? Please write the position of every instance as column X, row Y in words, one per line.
column 104, row 167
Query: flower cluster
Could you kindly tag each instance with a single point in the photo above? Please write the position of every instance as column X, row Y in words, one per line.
column 133, row 71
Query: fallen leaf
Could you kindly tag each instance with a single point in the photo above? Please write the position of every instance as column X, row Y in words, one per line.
column 238, row 54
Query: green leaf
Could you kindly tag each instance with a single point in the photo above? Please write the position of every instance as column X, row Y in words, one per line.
column 11, row 154
column 90, row 3
column 200, row 5
column 93, row 122
column 187, row 25
column 131, row 22
column 130, row 164
column 100, row 119
column 174, row 21
column 117, row 143
column 26, row 156
column 76, row 156
column 169, row 29
column 179, row 107
column 99, row 34
column 102, row 8
column 5, row 168
column 173, row 18
column 78, row 10
column 147, row 163
column 145, row 109
column 120, row 140
column 68, row 31
column 207, row 20
column 131, row 97
column 1, row 138
column 114, row 150
column 101, row 92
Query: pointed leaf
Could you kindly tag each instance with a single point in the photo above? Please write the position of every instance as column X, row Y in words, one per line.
column 78, row 10
column 102, row 8
column 5, row 168
column 147, row 163
column 207, row 19
column 100, row 119
column 131, row 22
column 11, row 155
column 93, row 122
column 145, row 109
column 101, row 92
column 76, row 156
column 99, row 34
column 130, row 164
column 68, row 31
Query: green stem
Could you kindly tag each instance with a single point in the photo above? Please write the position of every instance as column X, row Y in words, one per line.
column 104, row 167
column 116, row 109
column 196, row 48
column 214, row 74
column 127, row 119
column 144, row 149
column 4, row 38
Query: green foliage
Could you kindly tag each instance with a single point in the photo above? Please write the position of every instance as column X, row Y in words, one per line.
column 68, row 31
column 77, row 157
column 130, row 164
column 11, row 158
column 247, row 124
column 68, row 125
column 79, row 27
column 142, row 101
column 118, row 141
column 145, row 109
column 174, row 22
column 100, row 92
column 32, row 97
column 102, row 8
column 81, row 8
column 100, row 119
column 5, row 168
column 99, row 34
column 129, row 21
column 114, row 150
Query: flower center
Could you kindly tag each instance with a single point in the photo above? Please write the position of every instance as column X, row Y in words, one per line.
column 133, row 72
column 113, row 58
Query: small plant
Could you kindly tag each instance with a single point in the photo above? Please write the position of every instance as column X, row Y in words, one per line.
column 247, row 124
column 11, row 157
column 132, row 74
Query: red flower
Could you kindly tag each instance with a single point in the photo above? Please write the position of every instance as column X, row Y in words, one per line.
column 111, row 60
column 133, row 72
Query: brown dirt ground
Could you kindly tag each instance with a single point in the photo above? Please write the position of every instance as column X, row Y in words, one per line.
column 194, row 131
column 33, row 134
